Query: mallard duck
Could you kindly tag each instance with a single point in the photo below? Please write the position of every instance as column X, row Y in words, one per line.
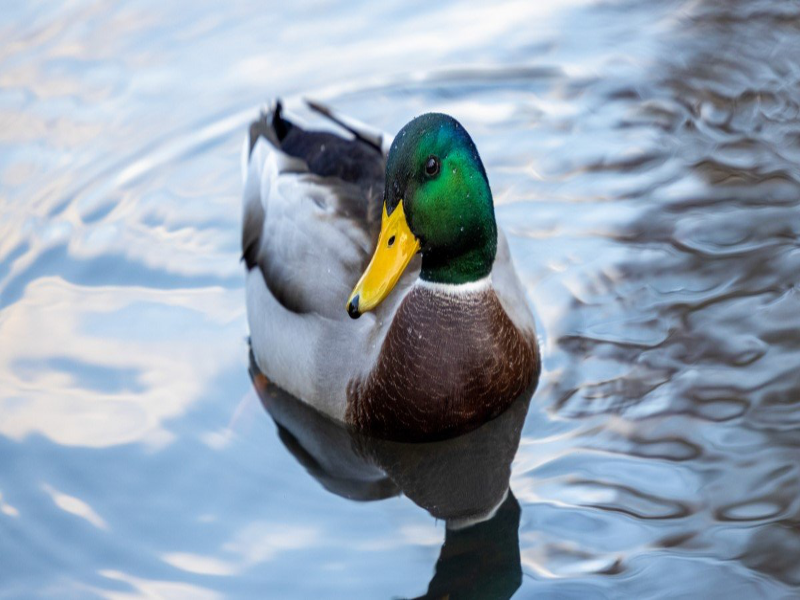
column 335, row 228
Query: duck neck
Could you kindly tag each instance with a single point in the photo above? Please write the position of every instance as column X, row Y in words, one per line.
column 466, row 267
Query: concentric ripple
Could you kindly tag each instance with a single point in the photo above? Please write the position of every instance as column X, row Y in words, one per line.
column 645, row 161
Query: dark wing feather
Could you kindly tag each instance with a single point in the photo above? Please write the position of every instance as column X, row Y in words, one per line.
column 357, row 161
column 345, row 181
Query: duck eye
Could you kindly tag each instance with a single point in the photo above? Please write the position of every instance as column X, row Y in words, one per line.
column 432, row 166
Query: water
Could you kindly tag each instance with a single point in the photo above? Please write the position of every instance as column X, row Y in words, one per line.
column 644, row 158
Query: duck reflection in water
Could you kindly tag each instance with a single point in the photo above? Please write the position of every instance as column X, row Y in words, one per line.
column 463, row 481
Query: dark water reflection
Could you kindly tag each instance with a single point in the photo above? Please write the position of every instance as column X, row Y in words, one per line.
column 645, row 162
column 463, row 481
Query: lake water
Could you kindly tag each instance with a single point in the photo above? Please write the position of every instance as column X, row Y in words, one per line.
column 645, row 161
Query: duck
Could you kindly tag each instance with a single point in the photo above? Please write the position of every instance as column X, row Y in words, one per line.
column 379, row 288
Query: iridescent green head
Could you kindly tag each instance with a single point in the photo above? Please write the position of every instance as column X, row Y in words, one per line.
column 437, row 201
column 435, row 170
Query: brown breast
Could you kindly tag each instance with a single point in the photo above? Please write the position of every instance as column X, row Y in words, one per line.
column 448, row 364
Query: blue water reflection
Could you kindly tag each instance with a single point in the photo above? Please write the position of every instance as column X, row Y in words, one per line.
column 644, row 160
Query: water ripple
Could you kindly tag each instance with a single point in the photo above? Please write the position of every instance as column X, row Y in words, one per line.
column 644, row 160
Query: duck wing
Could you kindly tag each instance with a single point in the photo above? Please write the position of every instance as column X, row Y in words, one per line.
column 312, row 205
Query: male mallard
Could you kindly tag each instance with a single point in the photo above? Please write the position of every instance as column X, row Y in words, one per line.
column 446, row 342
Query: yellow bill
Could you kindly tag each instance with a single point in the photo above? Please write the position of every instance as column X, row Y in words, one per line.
column 396, row 247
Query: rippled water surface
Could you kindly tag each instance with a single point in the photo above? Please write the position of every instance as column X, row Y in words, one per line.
column 644, row 159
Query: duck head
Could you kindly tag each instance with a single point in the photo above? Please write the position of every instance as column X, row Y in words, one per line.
column 437, row 202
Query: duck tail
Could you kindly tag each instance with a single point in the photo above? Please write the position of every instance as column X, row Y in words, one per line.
column 360, row 131
column 270, row 125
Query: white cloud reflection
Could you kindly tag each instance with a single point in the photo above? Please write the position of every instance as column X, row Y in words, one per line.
column 262, row 541
column 148, row 588
column 75, row 506
column 106, row 365
column 7, row 509
column 255, row 543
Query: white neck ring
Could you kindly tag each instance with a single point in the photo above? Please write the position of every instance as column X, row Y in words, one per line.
column 457, row 289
